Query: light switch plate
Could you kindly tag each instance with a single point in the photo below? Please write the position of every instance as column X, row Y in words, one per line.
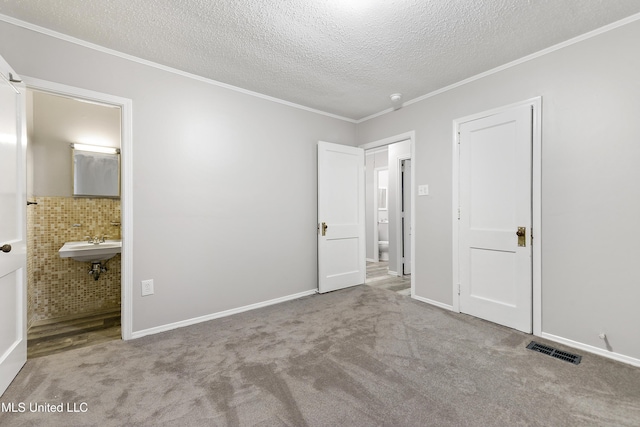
column 147, row 287
column 423, row 190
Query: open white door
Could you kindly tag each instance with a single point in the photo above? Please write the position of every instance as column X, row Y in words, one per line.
column 13, row 253
column 341, row 217
column 495, row 218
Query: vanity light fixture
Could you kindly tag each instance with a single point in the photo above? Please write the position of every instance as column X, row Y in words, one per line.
column 95, row 148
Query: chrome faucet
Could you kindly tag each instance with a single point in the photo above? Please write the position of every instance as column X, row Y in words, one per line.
column 95, row 239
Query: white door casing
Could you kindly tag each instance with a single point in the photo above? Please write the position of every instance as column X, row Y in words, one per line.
column 341, row 213
column 126, row 198
column 495, row 182
column 406, row 216
column 13, row 260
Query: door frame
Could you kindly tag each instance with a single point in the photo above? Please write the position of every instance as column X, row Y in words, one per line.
column 403, row 191
column 126, row 197
column 411, row 136
column 536, row 229
column 398, row 226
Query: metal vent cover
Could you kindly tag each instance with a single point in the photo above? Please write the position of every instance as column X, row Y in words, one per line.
column 554, row 352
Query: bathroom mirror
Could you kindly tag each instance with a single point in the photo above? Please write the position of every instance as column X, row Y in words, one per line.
column 96, row 174
column 383, row 183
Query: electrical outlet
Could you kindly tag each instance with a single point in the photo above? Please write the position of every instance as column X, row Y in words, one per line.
column 423, row 190
column 147, row 287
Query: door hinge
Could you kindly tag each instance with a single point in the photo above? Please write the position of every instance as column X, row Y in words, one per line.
column 458, row 288
column 458, row 138
column 14, row 79
column 458, row 213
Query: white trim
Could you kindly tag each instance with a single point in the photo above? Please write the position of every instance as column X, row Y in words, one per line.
column 536, row 202
column 375, row 150
column 393, row 273
column 196, row 320
column 591, row 349
column 432, row 302
column 413, row 213
column 70, row 39
column 455, row 205
column 83, row 43
column 536, row 212
column 391, row 140
column 126, row 198
column 411, row 136
column 380, row 113
column 511, row 64
column 398, row 213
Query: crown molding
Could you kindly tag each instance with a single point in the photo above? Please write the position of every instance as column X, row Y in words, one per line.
column 511, row 64
column 83, row 43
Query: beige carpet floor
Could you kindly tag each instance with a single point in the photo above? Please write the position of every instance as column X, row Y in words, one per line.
column 357, row 357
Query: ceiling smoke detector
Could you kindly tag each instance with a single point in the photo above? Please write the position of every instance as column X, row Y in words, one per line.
column 396, row 98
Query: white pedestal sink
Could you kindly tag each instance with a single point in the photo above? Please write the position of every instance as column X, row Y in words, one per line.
column 91, row 252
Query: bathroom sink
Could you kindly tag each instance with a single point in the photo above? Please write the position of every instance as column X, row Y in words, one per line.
column 89, row 252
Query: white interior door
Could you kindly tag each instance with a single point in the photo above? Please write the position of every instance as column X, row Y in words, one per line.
column 406, row 216
column 13, row 254
column 341, row 217
column 495, row 200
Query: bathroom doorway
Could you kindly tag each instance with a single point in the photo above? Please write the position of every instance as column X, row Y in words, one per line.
column 70, row 303
column 388, row 220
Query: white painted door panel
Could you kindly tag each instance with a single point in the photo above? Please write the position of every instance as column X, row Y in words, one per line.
column 13, row 340
column 341, row 207
column 495, row 199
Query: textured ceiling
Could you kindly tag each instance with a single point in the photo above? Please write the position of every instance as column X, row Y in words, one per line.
column 338, row 56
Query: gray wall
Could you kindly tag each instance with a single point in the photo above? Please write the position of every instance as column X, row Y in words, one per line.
column 590, row 182
column 224, row 184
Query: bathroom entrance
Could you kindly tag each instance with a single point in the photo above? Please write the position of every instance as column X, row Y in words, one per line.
column 73, row 193
column 388, row 216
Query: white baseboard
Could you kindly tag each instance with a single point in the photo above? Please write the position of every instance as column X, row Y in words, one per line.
column 371, row 260
column 393, row 273
column 591, row 349
column 195, row 320
column 432, row 302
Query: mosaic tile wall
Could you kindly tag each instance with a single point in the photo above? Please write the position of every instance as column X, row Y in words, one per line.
column 60, row 287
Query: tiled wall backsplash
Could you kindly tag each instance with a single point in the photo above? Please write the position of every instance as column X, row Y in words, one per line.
column 60, row 287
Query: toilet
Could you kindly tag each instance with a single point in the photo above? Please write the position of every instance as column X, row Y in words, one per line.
column 383, row 240
column 383, row 248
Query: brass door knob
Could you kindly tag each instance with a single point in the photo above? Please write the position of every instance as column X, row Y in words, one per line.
column 522, row 238
column 5, row 248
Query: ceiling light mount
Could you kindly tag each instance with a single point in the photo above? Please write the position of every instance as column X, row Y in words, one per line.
column 396, row 98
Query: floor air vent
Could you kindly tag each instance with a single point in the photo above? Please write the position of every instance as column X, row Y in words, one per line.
column 554, row 352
